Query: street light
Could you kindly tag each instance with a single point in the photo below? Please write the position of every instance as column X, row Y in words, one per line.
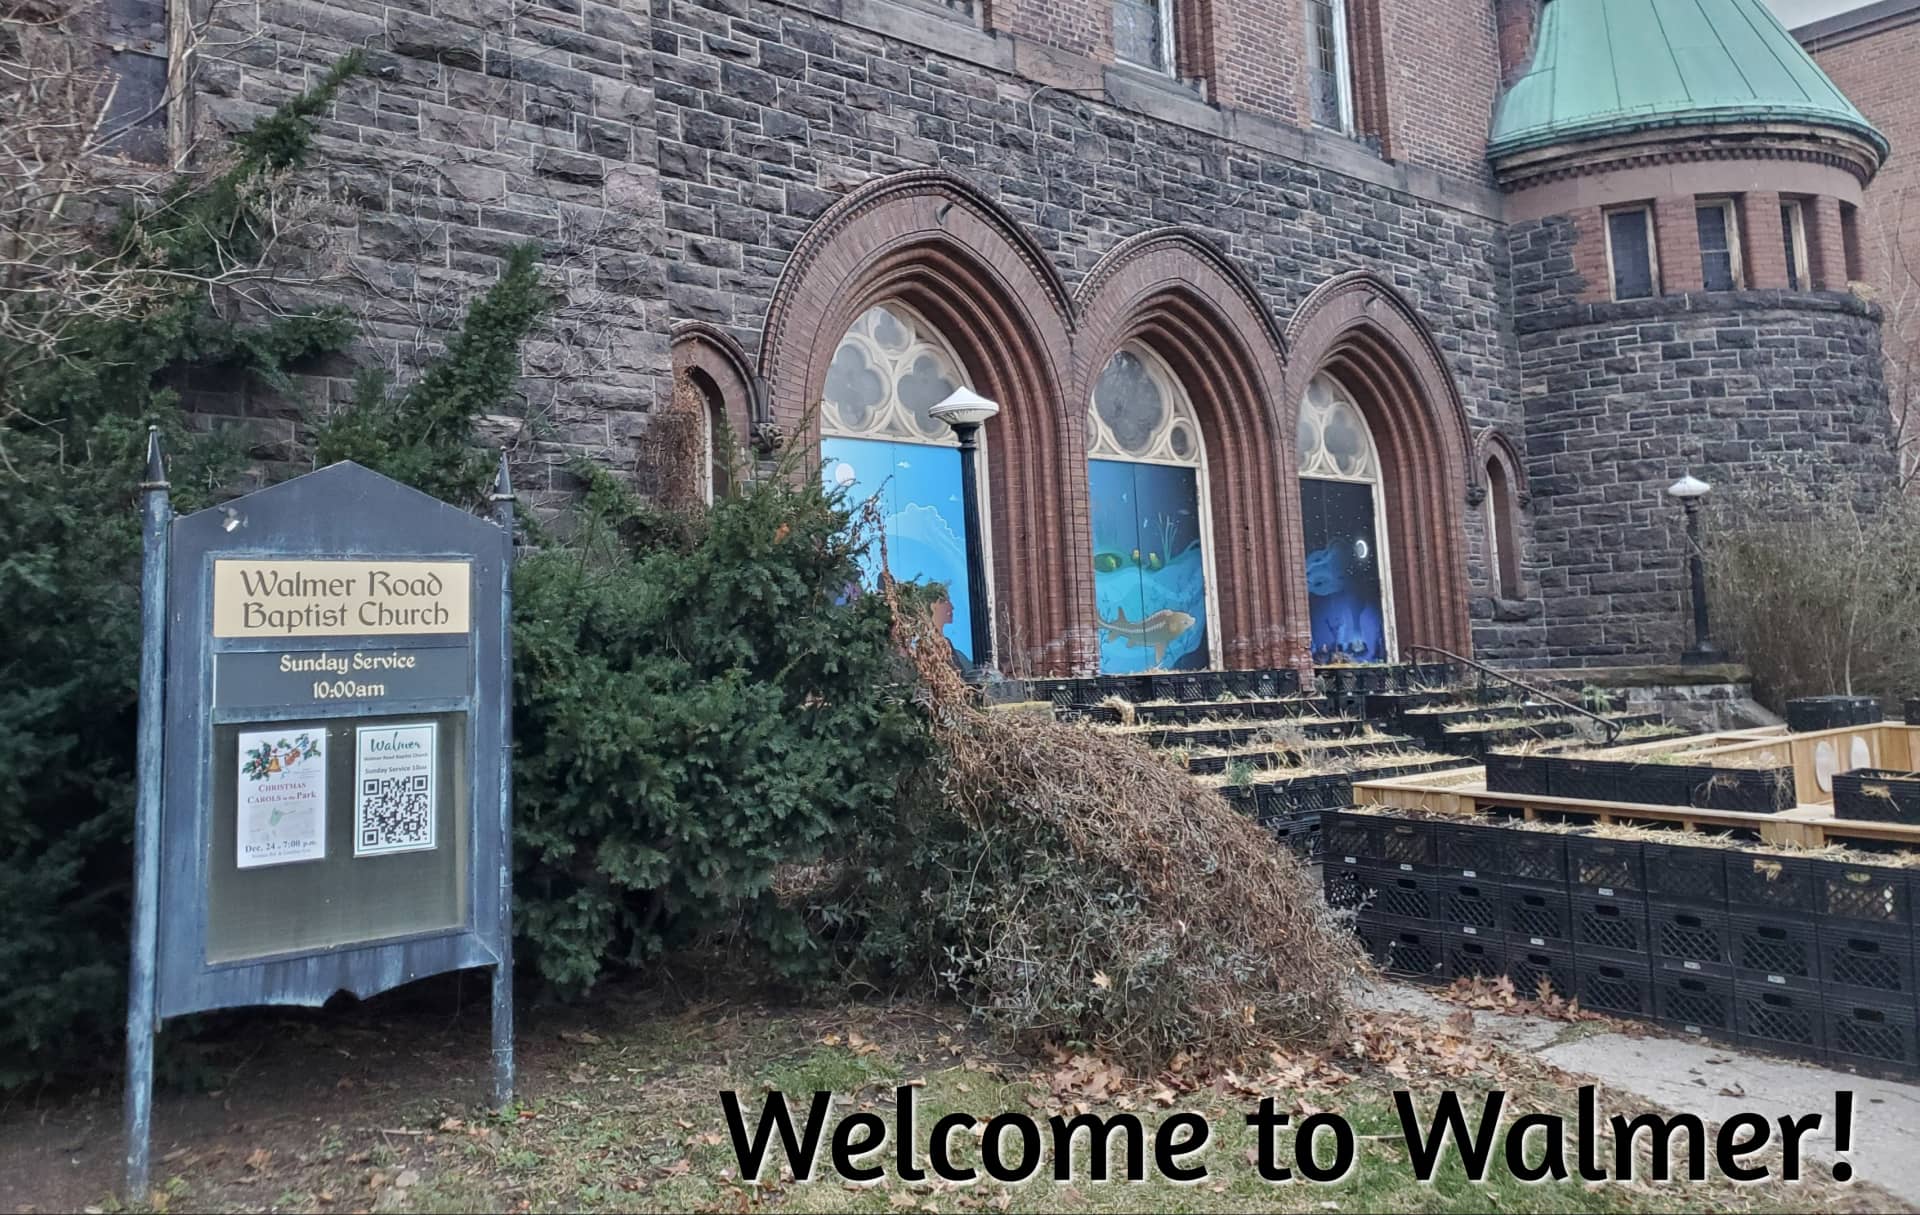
column 1691, row 491
column 965, row 411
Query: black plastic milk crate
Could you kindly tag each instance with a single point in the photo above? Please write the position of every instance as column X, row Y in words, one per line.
column 1881, row 794
column 1868, row 963
column 1473, row 957
column 1537, row 917
column 1467, row 849
column 1867, row 894
column 1410, row 950
column 1470, row 903
column 1534, row 858
column 1697, row 939
column 1693, row 1003
column 1347, row 887
column 1330, row 792
column 1530, row 966
column 1779, row 1019
column 1683, row 873
column 1511, row 773
column 1406, row 841
column 1759, row 882
column 1775, row 951
column 1405, row 896
column 1616, row 983
column 1610, row 922
column 1350, row 838
column 1874, row 1035
column 1607, row 866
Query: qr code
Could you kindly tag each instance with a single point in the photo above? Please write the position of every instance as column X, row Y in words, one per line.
column 396, row 813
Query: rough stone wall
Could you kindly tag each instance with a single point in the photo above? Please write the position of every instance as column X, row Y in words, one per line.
column 479, row 125
column 1624, row 398
column 767, row 113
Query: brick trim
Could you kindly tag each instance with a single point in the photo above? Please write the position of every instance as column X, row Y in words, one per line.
column 1358, row 329
column 931, row 241
column 1177, row 294
column 719, row 367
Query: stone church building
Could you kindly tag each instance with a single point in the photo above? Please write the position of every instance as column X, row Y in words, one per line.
column 1319, row 329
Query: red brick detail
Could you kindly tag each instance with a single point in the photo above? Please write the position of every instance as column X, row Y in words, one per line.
column 1373, row 105
column 1677, row 236
column 1590, row 254
column 1762, row 244
column 1876, row 72
column 1515, row 21
column 1184, row 300
column 1084, row 27
column 720, row 369
column 1358, row 329
column 1826, row 247
column 1440, row 75
column 1257, row 57
column 934, row 243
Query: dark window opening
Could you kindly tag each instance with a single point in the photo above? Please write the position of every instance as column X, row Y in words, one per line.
column 1719, row 246
column 1793, row 236
column 1850, row 242
column 1630, row 250
column 1143, row 33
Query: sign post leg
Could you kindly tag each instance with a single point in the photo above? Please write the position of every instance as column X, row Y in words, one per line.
column 141, row 1020
column 503, row 970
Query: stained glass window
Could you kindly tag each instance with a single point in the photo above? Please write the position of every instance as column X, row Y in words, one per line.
column 878, row 441
column 1146, row 479
column 1348, row 595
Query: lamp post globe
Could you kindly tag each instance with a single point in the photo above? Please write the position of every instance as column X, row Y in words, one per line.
column 1690, row 491
column 965, row 412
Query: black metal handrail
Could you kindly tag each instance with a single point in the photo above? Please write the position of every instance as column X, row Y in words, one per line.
column 1612, row 728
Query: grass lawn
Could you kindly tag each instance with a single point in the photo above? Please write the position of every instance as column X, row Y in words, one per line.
column 376, row 1108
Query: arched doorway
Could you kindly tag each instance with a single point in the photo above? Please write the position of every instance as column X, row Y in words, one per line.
column 878, row 441
column 1151, row 519
column 1343, row 507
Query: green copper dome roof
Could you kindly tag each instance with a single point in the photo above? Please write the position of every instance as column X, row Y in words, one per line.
column 1611, row 67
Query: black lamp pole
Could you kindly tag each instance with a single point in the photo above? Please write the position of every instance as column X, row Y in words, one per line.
column 1702, row 652
column 968, row 433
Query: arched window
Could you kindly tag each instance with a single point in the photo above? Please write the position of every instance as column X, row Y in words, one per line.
column 1152, row 543
column 1503, row 536
column 1349, row 594
column 878, row 439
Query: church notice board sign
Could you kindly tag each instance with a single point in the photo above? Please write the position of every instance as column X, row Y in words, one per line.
column 325, row 778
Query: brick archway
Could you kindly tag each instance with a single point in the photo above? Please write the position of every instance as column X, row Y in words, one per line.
column 932, row 242
column 1182, row 298
column 718, row 367
column 1357, row 329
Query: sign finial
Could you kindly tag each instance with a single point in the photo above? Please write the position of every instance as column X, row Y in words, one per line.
column 156, row 475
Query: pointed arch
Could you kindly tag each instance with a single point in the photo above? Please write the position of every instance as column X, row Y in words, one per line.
column 1175, row 293
column 1357, row 329
column 716, row 365
column 1506, row 495
column 932, row 242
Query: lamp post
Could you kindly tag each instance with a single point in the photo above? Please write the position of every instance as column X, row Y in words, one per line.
column 1691, row 491
column 965, row 411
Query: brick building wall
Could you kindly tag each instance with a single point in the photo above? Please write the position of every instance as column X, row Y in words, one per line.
column 1624, row 398
column 1874, row 66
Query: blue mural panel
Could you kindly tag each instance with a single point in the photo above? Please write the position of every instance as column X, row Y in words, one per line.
column 919, row 488
column 1149, row 567
column 1343, row 572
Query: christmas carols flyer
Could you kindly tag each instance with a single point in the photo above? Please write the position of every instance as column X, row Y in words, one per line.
column 283, row 798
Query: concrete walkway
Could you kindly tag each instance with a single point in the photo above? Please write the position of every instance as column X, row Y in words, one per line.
column 1713, row 1081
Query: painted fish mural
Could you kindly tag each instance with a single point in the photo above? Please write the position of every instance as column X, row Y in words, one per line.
column 1156, row 632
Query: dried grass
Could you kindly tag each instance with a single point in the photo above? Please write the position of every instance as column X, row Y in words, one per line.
column 1173, row 922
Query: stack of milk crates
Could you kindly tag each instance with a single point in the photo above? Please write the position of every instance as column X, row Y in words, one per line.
column 1797, row 955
